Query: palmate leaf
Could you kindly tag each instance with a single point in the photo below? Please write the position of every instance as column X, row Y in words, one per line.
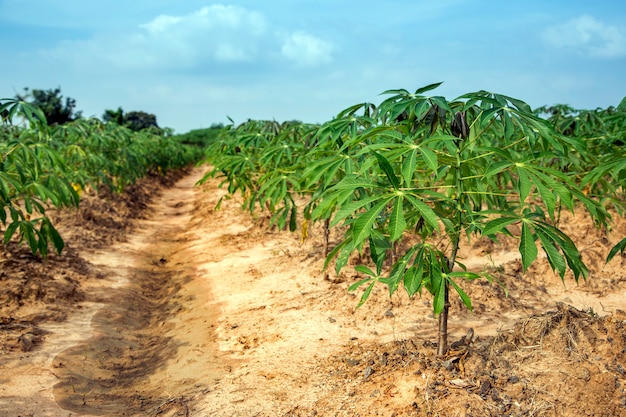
column 557, row 185
column 372, row 279
column 567, row 246
column 325, row 208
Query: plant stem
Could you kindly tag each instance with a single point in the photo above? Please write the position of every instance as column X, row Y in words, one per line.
column 326, row 237
column 442, row 346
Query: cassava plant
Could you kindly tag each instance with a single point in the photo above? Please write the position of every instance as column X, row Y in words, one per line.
column 481, row 165
column 263, row 160
column 31, row 179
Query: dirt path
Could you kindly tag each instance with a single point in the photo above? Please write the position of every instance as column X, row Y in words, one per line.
column 141, row 339
column 204, row 312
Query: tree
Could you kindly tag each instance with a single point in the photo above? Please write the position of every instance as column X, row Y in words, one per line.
column 134, row 120
column 115, row 116
column 139, row 120
column 56, row 110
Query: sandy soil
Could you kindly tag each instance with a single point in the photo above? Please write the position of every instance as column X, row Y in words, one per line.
column 163, row 306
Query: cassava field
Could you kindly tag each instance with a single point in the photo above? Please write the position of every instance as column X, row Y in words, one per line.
column 418, row 257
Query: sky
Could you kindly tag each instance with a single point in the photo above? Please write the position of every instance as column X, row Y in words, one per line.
column 195, row 63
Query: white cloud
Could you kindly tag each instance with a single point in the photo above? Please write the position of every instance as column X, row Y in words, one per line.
column 223, row 33
column 212, row 17
column 213, row 33
column 307, row 50
column 587, row 36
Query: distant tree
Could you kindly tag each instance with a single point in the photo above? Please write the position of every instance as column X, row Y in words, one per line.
column 56, row 110
column 201, row 137
column 139, row 120
column 134, row 120
column 115, row 116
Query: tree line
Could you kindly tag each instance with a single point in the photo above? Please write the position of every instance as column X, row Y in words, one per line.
column 60, row 110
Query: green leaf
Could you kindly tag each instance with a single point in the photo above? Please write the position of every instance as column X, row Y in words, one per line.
column 557, row 187
column 556, row 260
column 364, row 270
column 464, row 297
column 397, row 222
column 547, row 196
column 54, row 235
column 367, row 293
column 293, row 225
column 408, row 167
column 527, row 246
column 352, row 182
column 568, row 247
column 358, row 284
column 439, row 283
column 413, row 279
column 379, row 245
column 427, row 213
column 27, row 230
column 497, row 167
column 351, row 208
column 362, row 226
column 428, row 88
column 388, row 170
column 8, row 234
column 619, row 247
column 336, row 251
column 509, row 128
column 496, row 225
column 524, row 185
column 430, row 158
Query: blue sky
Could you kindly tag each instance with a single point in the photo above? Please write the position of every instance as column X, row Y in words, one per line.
column 193, row 63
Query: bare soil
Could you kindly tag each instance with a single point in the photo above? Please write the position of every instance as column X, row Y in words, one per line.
column 162, row 305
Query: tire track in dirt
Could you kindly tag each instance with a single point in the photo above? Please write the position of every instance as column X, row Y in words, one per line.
column 152, row 345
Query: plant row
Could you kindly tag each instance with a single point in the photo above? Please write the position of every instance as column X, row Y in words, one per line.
column 403, row 176
column 44, row 166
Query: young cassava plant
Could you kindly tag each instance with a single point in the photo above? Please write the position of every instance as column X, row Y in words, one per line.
column 480, row 165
